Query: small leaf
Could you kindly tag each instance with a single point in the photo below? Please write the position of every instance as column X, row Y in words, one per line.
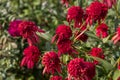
column 104, row 63
column 46, row 36
column 92, row 35
column 116, row 75
column 105, row 40
column 66, row 23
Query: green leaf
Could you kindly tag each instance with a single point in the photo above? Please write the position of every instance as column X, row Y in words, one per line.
column 46, row 35
column 105, row 40
column 116, row 75
column 104, row 63
column 92, row 35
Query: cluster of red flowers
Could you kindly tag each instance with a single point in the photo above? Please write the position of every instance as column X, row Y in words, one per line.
column 77, row 68
column 63, row 34
column 27, row 30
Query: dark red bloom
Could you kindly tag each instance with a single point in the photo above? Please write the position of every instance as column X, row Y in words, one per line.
column 56, row 78
column 13, row 28
column 101, row 30
column 109, row 3
column 78, row 69
column 65, row 46
column 51, row 62
column 62, row 32
column 75, row 13
column 116, row 37
column 31, row 56
column 118, row 78
column 95, row 12
column 66, row 2
column 28, row 31
column 97, row 52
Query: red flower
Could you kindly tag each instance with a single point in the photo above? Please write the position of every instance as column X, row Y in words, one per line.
column 101, row 30
column 51, row 62
column 28, row 30
column 97, row 52
column 116, row 38
column 66, row 2
column 78, row 69
column 109, row 3
column 31, row 56
column 118, row 78
column 13, row 28
column 56, row 78
column 64, row 46
column 96, row 11
column 75, row 13
column 62, row 32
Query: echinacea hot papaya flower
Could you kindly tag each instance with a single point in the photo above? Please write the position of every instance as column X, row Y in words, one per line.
column 51, row 62
column 56, row 78
column 96, row 12
column 28, row 31
column 97, row 52
column 78, row 69
column 13, row 28
column 62, row 32
column 101, row 30
column 75, row 13
column 65, row 46
column 31, row 57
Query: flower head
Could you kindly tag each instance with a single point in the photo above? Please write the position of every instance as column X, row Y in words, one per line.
column 56, row 78
column 31, row 56
column 97, row 52
column 78, row 69
column 51, row 62
column 75, row 13
column 116, row 37
column 101, row 30
column 62, row 32
column 65, row 46
column 96, row 11
column 28, row 31
column 13, row 28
